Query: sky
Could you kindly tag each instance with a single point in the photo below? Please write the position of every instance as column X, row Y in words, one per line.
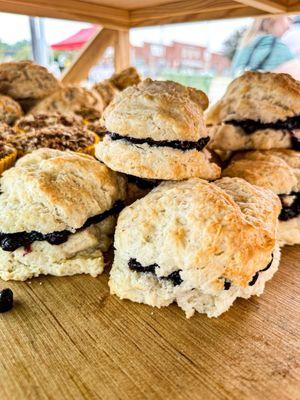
column 211, row 34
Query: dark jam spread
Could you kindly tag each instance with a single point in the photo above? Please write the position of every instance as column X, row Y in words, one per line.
column 12, row 241
column 256, row 275
column 183, row 145
column 174, row 277
column 290, row 206
column 250, row 126
column 143, row 183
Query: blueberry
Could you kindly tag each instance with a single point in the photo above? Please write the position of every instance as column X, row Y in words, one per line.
column 6, row 300
column 227, row 284
column 254, row 279
column 57, row 237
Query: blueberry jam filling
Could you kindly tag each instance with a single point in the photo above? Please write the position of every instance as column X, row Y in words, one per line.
column 174, row 277
column 12, row 241
column 291, row 210
column 227, row 284
column 183, row 145
column 143, row 183
column 250, row 126
column 256, row 275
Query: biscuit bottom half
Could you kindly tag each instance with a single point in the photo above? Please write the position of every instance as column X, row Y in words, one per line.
column 228, row 137
column 82, row 253
column 289, row 231
column 146, row 287
column 152, row 162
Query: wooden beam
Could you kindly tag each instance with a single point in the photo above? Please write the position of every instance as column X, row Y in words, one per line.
column 88, row 56
column 234, row 11
column 269, row 6
column 122, row 50
column 294, row 9
column 69, row 9
column 179, row 10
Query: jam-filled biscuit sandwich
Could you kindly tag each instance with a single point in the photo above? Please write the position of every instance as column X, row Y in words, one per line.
column 57, row 215
column 260, row 110
column 156, row 130
column 279, row 171
column 196, row 243
column 26, row 82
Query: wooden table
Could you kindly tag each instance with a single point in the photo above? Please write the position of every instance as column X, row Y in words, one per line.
column 66, row 338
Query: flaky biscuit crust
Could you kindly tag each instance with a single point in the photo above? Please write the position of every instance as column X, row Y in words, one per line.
column 26, row 80
column 267, row 169
column 222, row 229
column 106, row 90
column 10, row 110
column 50, row 190
column 160, row 110
column 127, row 77
column 72, row 99
column 260, row 96
column 156, row 162
column 226, row 137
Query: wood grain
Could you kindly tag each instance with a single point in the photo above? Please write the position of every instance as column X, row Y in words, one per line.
column 88, row 56
column 122, row 50
column 269, row 6
column 66, row 338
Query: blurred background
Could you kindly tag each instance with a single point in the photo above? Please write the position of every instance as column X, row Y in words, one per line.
column 206, row 55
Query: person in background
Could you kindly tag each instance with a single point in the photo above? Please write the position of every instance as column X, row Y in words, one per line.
column 292, row 37
column 261, row 48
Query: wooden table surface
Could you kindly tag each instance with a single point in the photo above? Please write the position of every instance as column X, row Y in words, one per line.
column 66, row 338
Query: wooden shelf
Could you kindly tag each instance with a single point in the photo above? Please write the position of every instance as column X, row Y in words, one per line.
column 131, row 13
column 67, row 338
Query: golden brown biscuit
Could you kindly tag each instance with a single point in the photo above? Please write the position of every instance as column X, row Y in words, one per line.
column 156, row 131
column 279, row 171
column 57, row 214
column 260, row 110
column 197, row 243
column 10, row 110
column 24, row 80
column 127, row 77
column 106, row 90
column 72, row 99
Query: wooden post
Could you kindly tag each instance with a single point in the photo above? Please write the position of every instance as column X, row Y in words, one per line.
column 89, row 55
column 122, row 50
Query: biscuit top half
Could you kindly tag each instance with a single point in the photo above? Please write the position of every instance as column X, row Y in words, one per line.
column 160, row 110
column 224, row 229
column 72, row 99
column 26, row 80
column 50, row 190
column 259, row 96
column 277, row 170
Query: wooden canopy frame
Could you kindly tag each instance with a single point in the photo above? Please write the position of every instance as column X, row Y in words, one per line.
column 116, row 17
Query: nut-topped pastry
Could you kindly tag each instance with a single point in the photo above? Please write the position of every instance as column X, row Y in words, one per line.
column 279, row 171
column 59, row 137
column 26, row 82
column 260, row 110
column 73, row 99
column 8, row 156
column 155, row 130
column 32, row 122
column 127, row 77
column 10, row 110
column 196, row 243
column 57, row 215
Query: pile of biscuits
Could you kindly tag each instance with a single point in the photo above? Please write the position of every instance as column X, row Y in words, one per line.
column 181, row 231
column 61, row 117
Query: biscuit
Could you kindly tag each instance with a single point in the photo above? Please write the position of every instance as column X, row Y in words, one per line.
column 32, row 122
column 57, row 214
column 197, row 243
column 127, row 77
column 10, row 110
column 72, row 99
column 260, row 110
column 26, row 81
column 106, row 90
column 156, row 131
column 279, row 171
